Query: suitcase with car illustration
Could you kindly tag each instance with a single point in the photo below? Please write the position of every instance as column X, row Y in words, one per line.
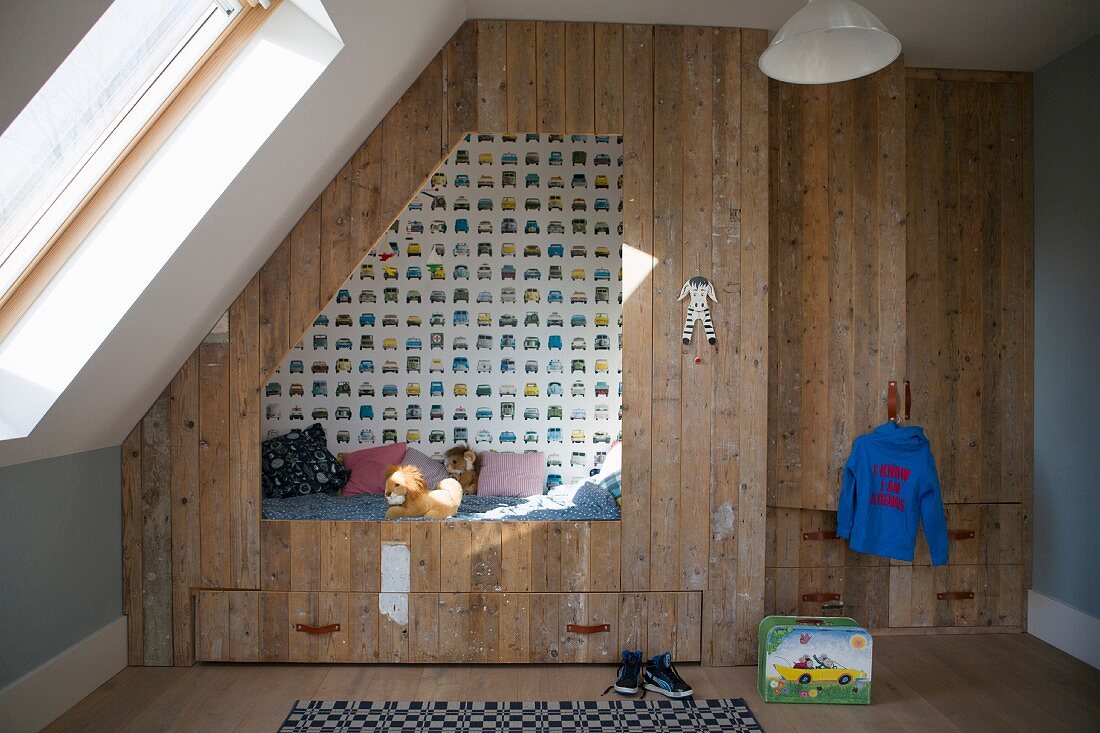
column 814, row 660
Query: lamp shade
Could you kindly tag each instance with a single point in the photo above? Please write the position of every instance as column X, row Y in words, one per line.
column 829, row 41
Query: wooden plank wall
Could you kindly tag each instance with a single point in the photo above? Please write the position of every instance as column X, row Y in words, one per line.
column 902, row 249
column 692, row 106
column 837, row 275
column 971, row 331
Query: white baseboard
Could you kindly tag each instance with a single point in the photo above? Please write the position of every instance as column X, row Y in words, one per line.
column 37, row 698
column 1065, row 627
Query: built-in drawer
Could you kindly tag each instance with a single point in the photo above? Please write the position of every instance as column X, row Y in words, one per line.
column 901, row 596
column 278, row 626
column 859, row 592
column 956, row 595
column 977, row 534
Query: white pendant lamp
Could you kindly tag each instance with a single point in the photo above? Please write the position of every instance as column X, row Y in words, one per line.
column 829, row 41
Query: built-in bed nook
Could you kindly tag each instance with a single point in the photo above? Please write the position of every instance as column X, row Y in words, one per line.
column 480, row 302
column 392, row 328
column 488, row 317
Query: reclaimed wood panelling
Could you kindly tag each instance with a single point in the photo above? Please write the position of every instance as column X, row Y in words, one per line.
column 837, row 278
column 668, row 321
column 461, row 99
column 246, row 626
column 550, row 54
column 580, row 75
column 753, row 377
column 698, row 358
column 186, row 549
column 305, row 275
column 244, row 436
column 132, row 526
column 997, row 600
column 720, row 606
column 970, row 285
column 214, row 464
column 859, row 592
column 551, row 77
column 977, row 534
column 608, row 78
column 924, row 180
column 336, row 261
column 274, row 310
column 492, row 75
column 368, row 218
column 522, row 100
column 638, row 263
column 156, row 534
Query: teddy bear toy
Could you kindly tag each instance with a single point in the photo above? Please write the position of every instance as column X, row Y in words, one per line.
column 463, row 465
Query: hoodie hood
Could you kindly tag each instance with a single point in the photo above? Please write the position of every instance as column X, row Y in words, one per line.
column 899, row 437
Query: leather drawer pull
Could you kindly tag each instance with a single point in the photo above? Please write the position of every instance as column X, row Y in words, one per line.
column 960, row 534
column 822, row 597
column 819, row 535
column 579, row 629
column 307, row 629
column 955, row 595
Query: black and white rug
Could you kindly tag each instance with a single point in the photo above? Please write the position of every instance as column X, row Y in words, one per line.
column 628, row 716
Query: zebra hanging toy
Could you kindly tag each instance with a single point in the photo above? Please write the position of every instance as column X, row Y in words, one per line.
column 699, row 288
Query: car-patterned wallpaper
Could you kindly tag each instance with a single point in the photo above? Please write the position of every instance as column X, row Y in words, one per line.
column 490, row 313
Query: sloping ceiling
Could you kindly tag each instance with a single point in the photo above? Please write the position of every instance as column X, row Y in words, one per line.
column 387, row 44
column 1006, row 35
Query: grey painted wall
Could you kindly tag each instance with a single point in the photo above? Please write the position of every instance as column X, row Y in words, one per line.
column 60, row 555
column 1067, row 327
column 35, row 37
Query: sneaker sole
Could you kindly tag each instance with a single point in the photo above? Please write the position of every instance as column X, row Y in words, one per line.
column 626, row 690
column 666, row 693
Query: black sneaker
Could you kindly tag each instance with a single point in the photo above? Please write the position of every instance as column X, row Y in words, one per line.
column 660, row 676
column 630, row 674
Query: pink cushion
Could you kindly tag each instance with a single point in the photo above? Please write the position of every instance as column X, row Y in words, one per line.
column 511, row 474
column 368, row 467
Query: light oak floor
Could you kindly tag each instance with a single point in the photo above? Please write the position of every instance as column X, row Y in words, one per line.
column 967, row 683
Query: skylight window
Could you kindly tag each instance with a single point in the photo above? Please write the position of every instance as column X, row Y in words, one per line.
column 88, row 114
column 152, row 197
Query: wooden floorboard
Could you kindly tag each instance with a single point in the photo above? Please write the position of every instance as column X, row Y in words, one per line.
column 963, row 683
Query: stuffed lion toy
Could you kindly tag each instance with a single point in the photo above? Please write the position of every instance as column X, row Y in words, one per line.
column 408, row 495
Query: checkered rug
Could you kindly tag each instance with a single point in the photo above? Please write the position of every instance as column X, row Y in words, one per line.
column 627, row 716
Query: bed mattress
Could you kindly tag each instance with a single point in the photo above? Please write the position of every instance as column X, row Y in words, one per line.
column 568, row 503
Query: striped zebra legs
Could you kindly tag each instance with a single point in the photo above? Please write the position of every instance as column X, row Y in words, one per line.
column 697, row 313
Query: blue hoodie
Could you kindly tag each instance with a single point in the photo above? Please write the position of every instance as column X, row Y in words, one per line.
column 890, row 487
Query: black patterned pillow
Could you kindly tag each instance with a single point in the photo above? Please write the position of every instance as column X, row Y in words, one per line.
column 300, row 463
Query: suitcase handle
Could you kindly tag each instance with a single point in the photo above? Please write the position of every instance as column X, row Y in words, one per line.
column 819, row 535
column 960, row 534
column 955, row 595
column 815, row 597
column 809, row 622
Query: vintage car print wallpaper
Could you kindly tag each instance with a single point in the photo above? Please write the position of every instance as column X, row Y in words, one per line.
column 490, row 313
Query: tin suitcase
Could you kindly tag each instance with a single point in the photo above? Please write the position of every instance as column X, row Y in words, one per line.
column 814, row 660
